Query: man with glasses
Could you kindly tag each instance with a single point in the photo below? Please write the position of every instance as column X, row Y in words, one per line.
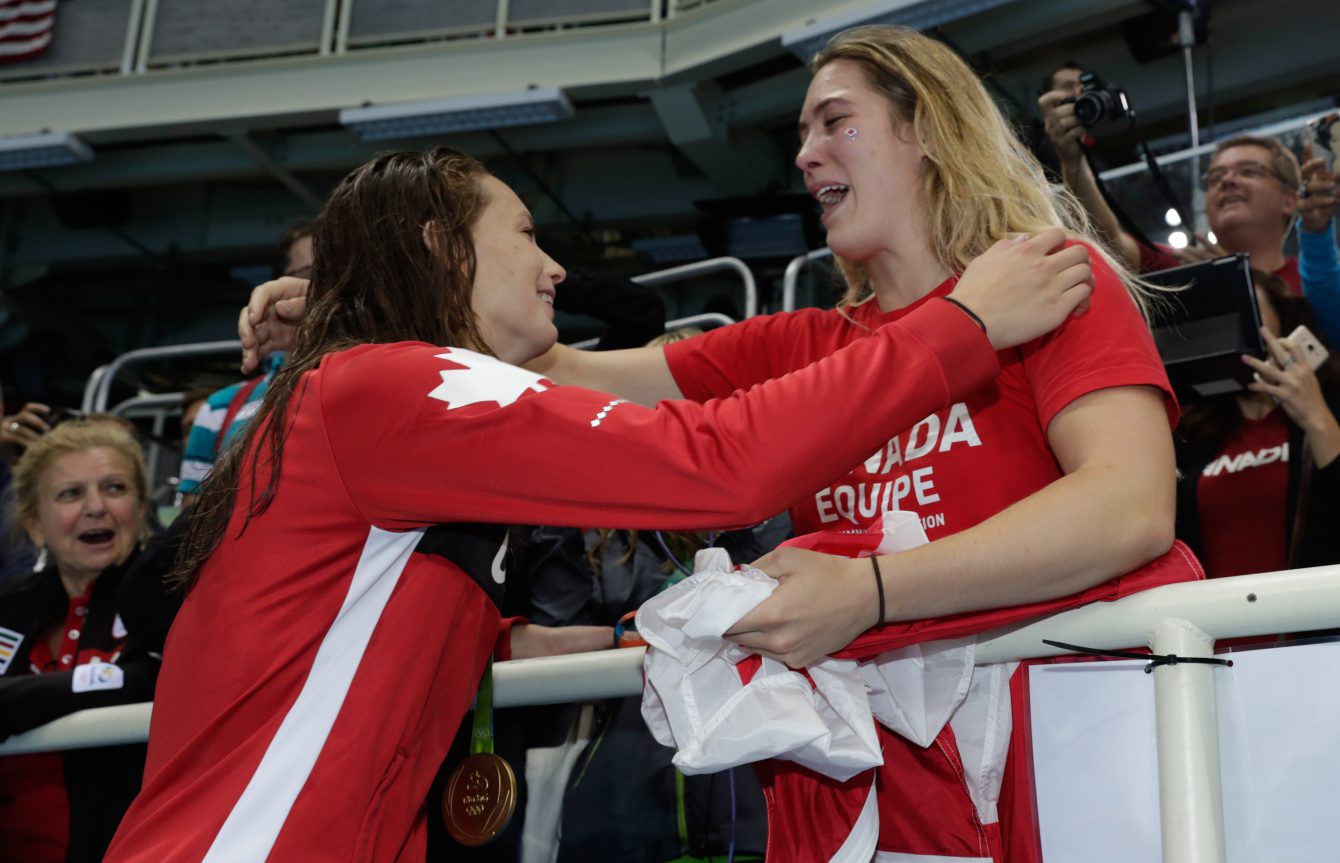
column 1251, row 196
column 1253, row 190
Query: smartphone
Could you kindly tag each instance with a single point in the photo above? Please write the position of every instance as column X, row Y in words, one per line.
column 60, row 415
column 1326, row 133
column 1312, row 348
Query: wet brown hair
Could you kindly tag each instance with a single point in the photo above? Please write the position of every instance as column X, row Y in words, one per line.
column 394, row 262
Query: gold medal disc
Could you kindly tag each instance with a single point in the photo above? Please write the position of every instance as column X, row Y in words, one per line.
column 480, row 799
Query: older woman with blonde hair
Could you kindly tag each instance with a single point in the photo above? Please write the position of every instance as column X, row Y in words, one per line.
column 80, row 494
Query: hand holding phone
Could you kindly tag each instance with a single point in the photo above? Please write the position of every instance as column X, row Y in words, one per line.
column 1309, row 345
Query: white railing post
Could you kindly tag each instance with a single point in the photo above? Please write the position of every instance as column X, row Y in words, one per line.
column 1190, row 796
column 710, row 265
column 792, row 275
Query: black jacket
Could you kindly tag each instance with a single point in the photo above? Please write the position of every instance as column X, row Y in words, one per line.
column 100, row 782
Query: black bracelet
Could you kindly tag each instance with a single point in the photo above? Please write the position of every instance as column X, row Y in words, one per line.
column 879, row 583
column 967, row 311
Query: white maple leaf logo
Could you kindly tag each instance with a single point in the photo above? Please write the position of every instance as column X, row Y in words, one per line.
column 484, row 379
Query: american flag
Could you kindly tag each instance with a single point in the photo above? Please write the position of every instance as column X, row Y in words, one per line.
column 25, row 28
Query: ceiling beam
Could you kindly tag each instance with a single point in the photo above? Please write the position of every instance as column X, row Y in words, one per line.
column 285, row 177
column 694, row 120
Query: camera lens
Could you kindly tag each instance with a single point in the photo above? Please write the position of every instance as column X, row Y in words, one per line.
column 1088, row 109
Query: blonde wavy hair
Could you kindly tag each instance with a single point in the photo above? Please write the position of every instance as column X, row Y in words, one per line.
column 979, row 184
column 77, row 435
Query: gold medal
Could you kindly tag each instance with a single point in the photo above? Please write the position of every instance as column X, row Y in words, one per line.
column 480, row 799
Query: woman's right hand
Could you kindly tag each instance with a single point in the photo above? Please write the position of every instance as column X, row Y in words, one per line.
column 1062, row 127
column 1290, row 381
column 268, row 321
column 1024, row 287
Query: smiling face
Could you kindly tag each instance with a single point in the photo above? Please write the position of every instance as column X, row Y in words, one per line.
column 515, row 281
column 861, row 168
column 88, row 512
column 1246, row 199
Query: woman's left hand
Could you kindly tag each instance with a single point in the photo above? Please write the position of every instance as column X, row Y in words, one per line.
column 821, row 605
column 1291, row 382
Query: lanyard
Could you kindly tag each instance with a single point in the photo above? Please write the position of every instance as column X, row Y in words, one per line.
column 481, row 733
column 481, row 793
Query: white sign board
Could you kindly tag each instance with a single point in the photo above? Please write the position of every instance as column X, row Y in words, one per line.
column 1096, row 768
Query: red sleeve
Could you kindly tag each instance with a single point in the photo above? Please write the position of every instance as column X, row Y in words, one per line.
column 1155, row 258
column 1108, row 346
column 421, row 438
column 502, row 647
column 721, row 361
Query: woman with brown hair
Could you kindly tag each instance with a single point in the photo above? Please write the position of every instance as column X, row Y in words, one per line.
column 344, row 560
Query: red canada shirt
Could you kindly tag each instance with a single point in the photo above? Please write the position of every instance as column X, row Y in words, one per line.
column 1241, row 496
column 959, row 465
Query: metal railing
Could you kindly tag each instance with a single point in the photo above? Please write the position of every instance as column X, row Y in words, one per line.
column 702, row 268
column 98, row 390
column 792, row 275
column 1185, row 619
column 691, row 271
column 707, row 320
column 330, row 35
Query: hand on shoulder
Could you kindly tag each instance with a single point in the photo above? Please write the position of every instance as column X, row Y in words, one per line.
column 1024, row 287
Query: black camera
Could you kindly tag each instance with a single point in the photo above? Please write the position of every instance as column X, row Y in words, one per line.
column 1099, row 103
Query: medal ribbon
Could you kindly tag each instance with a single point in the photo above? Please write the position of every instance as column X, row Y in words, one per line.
column 481, row 733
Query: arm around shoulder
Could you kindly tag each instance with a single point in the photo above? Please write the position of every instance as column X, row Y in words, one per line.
column 639, row 375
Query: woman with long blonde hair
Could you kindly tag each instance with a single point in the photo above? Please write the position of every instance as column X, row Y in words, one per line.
column 1058, row 476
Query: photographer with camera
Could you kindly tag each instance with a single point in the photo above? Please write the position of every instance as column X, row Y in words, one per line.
column 1254, row 190
column 1251, row 188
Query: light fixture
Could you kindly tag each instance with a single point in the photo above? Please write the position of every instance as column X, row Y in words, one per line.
column 1172, row 218
column 806, row 40
column 1177, row 239
column 463, row 114
column 1209, row 235
column 42, row 150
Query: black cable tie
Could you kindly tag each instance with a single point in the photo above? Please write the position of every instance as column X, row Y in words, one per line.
column 1155, row 660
